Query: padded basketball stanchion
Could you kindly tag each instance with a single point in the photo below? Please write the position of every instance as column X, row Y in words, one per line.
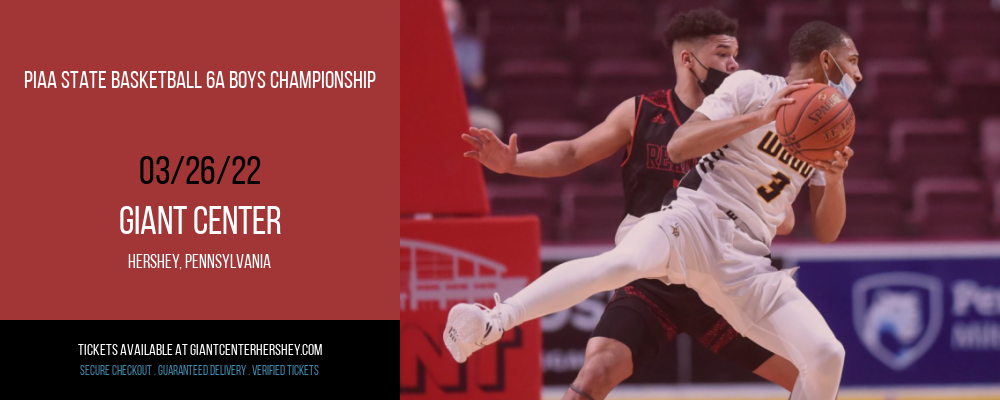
column 454, row 252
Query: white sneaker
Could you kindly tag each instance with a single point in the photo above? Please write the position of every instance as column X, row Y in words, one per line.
column 472, row 327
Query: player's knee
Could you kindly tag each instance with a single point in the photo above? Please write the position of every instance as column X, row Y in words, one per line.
column 594, row 376
column 597, row 379
column 607, row 365
column 830, row 357
column 839, row 353
column 603, row 369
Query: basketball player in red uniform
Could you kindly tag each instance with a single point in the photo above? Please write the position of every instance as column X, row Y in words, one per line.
column 645, row 315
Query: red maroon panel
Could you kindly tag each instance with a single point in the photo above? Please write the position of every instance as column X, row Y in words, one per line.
column 433, row 175
column 444, row 262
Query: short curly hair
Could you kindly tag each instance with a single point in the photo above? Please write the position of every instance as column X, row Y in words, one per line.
column 696, row 24
column 814, row 37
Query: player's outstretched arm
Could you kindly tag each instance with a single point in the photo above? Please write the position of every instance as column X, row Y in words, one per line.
column 829, row 207
column 557, row 158
column 701, row 135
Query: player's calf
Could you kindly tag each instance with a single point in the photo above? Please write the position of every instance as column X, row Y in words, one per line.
column 779, row 370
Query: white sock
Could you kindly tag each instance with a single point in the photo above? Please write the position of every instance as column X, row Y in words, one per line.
column 511, row 314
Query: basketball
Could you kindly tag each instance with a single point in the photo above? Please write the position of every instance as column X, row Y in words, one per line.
column 819, row 123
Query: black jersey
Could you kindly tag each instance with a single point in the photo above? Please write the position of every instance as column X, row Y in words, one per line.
column 648, row 175
column 647, row 172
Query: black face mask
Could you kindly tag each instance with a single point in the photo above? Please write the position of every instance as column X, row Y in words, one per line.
column 712, row 81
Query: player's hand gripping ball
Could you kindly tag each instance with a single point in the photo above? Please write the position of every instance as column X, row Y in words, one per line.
column 819, row 123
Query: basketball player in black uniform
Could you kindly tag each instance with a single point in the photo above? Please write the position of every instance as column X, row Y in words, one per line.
column 646, row 315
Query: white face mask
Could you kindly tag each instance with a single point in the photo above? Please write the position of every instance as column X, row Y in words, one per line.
column 846, row 85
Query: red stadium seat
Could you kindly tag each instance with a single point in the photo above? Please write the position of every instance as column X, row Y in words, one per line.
column 922, row 148
column 996, row 207
column 557, row 68
column 963, row 27
column 874, row 209
column 525, row 199
column 754, row 12
column 591, row 213
column 899, row 88
column 989, row 138
column 974, row 87
column 870, row 145
column 603, row 29
column 535, row 89
column 885, row 29
column 519, row 30
column 950, row 207
column 609, row 82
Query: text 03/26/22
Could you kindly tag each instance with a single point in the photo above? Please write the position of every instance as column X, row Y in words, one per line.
column 160, row 170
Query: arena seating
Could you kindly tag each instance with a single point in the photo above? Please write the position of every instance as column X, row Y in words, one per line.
column 927, row 160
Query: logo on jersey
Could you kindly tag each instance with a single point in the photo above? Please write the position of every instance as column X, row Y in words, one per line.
column 770, row 145
column 658, row 119
column 707, row 162
column 898, row 315
column 677, row 229
column 657, row 158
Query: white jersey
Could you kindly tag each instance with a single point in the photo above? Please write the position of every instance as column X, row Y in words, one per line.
column 753, row 176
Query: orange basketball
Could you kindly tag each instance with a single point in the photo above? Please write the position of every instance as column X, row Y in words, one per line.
column 820, row 122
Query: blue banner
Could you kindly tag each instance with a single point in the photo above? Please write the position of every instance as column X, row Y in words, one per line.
column 911, row 321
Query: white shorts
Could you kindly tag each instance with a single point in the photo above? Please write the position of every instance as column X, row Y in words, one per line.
column 626, row 226
column 728, row 268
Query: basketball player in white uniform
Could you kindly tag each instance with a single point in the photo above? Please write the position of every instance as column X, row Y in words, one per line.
column 714, row 232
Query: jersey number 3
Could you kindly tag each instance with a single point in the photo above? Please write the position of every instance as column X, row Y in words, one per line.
column 771, row 191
